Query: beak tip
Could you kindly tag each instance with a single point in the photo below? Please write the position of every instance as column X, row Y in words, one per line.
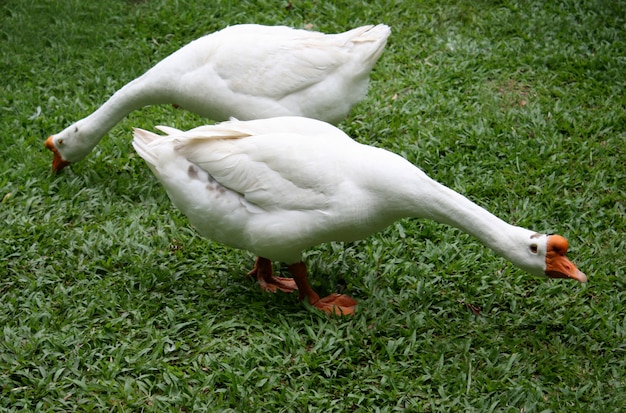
column 49, row 144
column 580, row 277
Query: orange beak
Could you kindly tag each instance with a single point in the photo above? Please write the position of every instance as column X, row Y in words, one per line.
column 557, row 264
column 561, row 267
column 58, row 162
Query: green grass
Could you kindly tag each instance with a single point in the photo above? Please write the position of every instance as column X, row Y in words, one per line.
column 110, row 302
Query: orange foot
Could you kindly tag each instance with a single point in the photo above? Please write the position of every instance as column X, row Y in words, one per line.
column 263, row 272
column 338, row 304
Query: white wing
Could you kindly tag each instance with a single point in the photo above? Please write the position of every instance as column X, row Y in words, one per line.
column 293, row 60
column 270, row 171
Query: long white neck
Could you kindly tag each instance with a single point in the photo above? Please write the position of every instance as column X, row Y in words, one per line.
column 426, row 198
column 78, row 139
column 449, row 207
column 124, row 101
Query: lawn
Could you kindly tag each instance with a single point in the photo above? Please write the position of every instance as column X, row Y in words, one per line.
column 109, row 301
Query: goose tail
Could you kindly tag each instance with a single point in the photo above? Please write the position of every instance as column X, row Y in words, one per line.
column 375, row 36
column 143, row 144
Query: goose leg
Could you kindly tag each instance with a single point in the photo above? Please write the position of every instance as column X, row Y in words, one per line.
column 338, row 304
column 263, row 272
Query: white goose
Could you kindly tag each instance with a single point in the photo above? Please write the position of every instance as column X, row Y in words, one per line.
column 278, row 186
column 247, row 72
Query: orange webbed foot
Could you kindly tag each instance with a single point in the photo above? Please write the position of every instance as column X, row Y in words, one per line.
column 338, row 304
column 262, row 271
column 286, row 285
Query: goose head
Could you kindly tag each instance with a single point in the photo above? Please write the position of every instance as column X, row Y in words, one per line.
column 70, row 145
column 545, row 256
column 58, row 162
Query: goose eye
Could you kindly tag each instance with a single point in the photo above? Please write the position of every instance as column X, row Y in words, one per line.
column 533, row 248
column 59, row 142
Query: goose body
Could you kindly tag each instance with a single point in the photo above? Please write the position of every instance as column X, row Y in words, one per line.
column 245, row 71
column 279, row 186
